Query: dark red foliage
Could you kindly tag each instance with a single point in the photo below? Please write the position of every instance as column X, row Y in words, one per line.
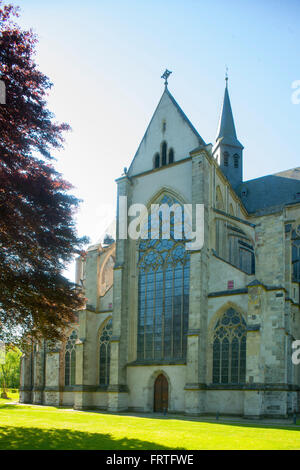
column 37, row 231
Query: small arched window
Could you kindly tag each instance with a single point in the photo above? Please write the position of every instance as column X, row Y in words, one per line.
column 164, row 153
column 229, row 349
column 156, row 160
column 171, row 156
column 226, row 158
column 70, row 359
column 104, row 352
column 236, row 160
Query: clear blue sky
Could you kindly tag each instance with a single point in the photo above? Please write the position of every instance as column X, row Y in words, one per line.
column 106, row 58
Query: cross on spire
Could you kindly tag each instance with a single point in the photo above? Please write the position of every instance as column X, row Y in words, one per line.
column 226, row 76
column 166, row 75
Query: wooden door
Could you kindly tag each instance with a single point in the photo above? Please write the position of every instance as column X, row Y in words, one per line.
column 161, row 393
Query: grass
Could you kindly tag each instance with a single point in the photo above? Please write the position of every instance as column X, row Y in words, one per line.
column 32, row 427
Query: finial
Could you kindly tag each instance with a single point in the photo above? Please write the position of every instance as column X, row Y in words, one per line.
column 226, row 76
column 166, row 75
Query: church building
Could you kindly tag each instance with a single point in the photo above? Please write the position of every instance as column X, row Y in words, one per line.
column 188, row 331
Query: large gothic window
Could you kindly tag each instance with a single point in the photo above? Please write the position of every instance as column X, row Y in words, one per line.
column 163, row 295
column 70, row 359
column 229, row 349
column 104, row 352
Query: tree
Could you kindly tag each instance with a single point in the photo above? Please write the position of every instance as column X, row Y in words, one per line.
column 37, row 230
column 10, row 369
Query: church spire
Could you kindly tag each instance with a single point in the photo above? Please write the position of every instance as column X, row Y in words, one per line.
column 226, row 127
column 228, row 151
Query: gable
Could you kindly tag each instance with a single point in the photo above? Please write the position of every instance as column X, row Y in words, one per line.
column 179, row 134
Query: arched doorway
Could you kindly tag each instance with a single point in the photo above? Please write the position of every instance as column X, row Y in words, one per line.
column 161, row 393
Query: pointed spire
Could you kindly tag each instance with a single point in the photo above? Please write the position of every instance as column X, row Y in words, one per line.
column 226, row 129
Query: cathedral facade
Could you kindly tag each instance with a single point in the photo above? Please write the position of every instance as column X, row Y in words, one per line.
column 177, row 330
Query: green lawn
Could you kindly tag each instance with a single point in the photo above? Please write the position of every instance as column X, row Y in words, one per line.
column 30, row 427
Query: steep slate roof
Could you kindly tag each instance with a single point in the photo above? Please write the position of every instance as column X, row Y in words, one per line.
column 226, row 129
column 269, row 193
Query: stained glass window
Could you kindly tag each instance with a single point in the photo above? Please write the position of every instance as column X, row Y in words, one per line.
column 70, row 359
column 229, row 349
column 104, row 352
column 163, row 293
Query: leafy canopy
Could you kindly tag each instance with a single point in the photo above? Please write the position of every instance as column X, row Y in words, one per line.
column 37, row 230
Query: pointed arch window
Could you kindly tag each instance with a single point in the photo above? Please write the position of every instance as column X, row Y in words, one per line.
column 165, row 156
column 219, row 199
column 164, row 153
column 104, row 354
column 163, row 296
column 70, row 359
column 171, row 156
column 229, row 349
column 156, row 160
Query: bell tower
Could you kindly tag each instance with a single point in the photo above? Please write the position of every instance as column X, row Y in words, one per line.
column 228, row 151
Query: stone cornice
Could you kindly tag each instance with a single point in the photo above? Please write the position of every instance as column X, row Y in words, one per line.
column 244, row 387
column 154, row 362
column 118, row 388
column 222, row 293
column 155, row 170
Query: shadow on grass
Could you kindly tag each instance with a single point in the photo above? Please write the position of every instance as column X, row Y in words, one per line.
column 96, row 437
column 12, row 406
column 66, row 439
column 205, row 420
